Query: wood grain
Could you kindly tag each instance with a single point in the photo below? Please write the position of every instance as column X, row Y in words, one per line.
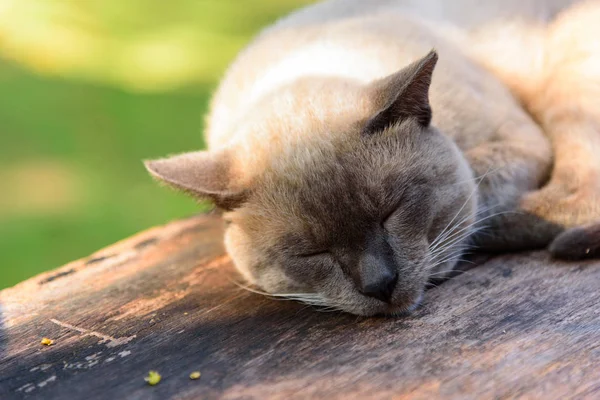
column 518, row 326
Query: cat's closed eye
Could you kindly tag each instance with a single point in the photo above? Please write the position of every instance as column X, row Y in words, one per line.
column 410, row 208
column 317, row 253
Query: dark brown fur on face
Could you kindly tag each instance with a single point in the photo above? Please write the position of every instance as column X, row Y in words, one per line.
column 342, row 219
column 359, row 213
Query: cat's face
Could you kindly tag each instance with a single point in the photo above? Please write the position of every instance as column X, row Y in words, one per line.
column 356, row 219
column 356, row 231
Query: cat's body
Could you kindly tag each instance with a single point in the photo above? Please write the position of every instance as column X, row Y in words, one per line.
column 317, row 142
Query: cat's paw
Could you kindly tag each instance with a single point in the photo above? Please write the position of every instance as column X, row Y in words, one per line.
column 574, row 207
column 577, row 243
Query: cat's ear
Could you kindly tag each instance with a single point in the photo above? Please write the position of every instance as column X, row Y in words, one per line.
column 202, row 174
column 403, row 95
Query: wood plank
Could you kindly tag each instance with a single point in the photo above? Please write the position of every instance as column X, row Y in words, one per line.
column 517, row 326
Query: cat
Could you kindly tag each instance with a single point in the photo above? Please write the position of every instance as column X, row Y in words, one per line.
column 357, row 149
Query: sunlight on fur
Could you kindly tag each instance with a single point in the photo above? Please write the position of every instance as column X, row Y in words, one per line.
column 353, row 167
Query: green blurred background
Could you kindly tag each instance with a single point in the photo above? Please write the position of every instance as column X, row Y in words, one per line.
column 87, row 90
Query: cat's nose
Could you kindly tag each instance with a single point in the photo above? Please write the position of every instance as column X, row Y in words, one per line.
column 381, row 285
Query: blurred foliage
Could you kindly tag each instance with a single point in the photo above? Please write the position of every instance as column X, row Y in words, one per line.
column 87, row 90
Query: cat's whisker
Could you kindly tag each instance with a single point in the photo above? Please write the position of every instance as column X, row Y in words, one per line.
column 307, row 298
column 462, row 207
column 457, row 245
column 442, row 238
column 250, row 289
column 457, row 229
column 466, row 228
column 447, row 257
column 482, row 176
column 451, row 249
column 310, row 299
column 452, row 241
column 302, row 309
column 445, row 232
column 328, row 309
column 312, row 303
column 443, row 258
column 457, row 259
column 447, row 272
column 431, row 285
column 479, row 221
column 456, row 242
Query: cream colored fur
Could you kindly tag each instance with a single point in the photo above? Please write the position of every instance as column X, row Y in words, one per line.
column 516, row 93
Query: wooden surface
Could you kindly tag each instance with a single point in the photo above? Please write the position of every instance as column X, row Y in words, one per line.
column 516, row 326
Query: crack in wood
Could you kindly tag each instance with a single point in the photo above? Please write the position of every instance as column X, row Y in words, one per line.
column 108, row 340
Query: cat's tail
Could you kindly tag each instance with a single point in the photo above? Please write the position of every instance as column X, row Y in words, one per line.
column 577, row 243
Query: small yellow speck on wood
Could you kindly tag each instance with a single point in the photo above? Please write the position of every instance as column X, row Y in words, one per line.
column 195, row 375
column 47, row 342
column 153, row 378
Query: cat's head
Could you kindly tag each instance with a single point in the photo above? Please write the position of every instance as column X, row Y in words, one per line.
column 353, row 208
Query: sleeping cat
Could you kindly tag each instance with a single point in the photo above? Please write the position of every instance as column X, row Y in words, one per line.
column 352, row 165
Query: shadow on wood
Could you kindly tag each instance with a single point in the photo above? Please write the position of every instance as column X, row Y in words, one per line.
column 519, row 325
